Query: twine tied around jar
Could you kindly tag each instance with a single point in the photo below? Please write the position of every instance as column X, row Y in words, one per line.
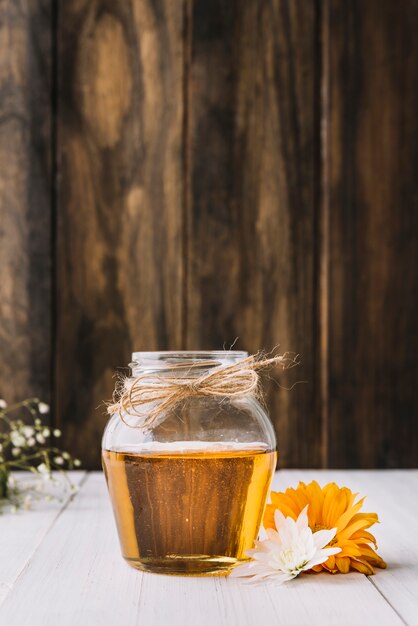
column 161, row 393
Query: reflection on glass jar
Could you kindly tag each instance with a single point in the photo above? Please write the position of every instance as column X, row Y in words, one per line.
column 188, row 492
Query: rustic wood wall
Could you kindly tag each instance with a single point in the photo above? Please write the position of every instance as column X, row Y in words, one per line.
column 178, row 173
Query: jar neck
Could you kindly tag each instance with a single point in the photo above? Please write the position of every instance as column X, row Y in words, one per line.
column 183, row 363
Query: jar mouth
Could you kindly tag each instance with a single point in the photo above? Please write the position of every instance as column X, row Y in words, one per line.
column 167, row 358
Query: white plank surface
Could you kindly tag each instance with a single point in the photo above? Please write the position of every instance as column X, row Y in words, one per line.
column 77, row 576
column 22, row 533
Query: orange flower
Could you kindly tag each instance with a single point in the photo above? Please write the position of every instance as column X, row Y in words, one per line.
column 332, row 507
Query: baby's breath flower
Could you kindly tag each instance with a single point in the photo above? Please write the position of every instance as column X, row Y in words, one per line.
column 17, row 439
column 28, row 431
column 42, row 468
column 77, row 462
column 28, row 447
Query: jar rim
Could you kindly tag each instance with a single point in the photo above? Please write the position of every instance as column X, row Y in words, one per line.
column 163, row 358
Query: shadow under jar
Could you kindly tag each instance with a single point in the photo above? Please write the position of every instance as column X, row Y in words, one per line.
column 189, row 491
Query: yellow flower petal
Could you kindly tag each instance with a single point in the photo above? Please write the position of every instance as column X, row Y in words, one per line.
column 362, row 566
column 343, row 564
column 332, row 507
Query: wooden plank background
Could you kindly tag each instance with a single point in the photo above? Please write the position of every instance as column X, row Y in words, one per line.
column 179, row 174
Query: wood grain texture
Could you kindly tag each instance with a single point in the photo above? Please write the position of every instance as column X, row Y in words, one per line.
column 372, row 154
column 25, row 199
column 164, row 184
column 77, row 575
column 22, row 535
column 251, row 164
column 120, row 190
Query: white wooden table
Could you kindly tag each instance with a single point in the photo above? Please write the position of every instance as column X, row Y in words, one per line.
column 61, row 565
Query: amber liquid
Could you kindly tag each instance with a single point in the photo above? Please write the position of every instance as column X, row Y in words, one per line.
column 188, row 512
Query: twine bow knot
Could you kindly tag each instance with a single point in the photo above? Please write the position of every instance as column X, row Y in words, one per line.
column 148, row 396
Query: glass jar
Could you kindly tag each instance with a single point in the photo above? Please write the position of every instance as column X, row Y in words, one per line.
column 189, row 491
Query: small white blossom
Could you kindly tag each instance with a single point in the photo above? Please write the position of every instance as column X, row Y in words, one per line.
column 57, row 432
column 66, row 455
column 59, row 460
column 42, row 468
column 28, row 431
column 43, row 407
column 16, row 451
column 17, row 439
column 46, row 432
column 3, row 403
column 31, row 441
column 40, row 438
column 38, row 422
column 291, row 549
column 77, row 462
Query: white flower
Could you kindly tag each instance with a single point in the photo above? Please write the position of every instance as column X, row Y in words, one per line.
column 16, row 451
column 31, row 441
column 57, row 432
column 42, row 468
column 17, row 439
column 77, row 462
column 66, row 456
column 43, row 408
column 27, row 431
column 40, row 438
column 3, row 403
column 59, row 460
column 46, row 432
column 288, row 551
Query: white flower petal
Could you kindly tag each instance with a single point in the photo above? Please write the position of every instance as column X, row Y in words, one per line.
column 273, row 535
column 279, row 519
column 322, row 537
column 322, row 556
column 302, row 521
column 247, row 569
